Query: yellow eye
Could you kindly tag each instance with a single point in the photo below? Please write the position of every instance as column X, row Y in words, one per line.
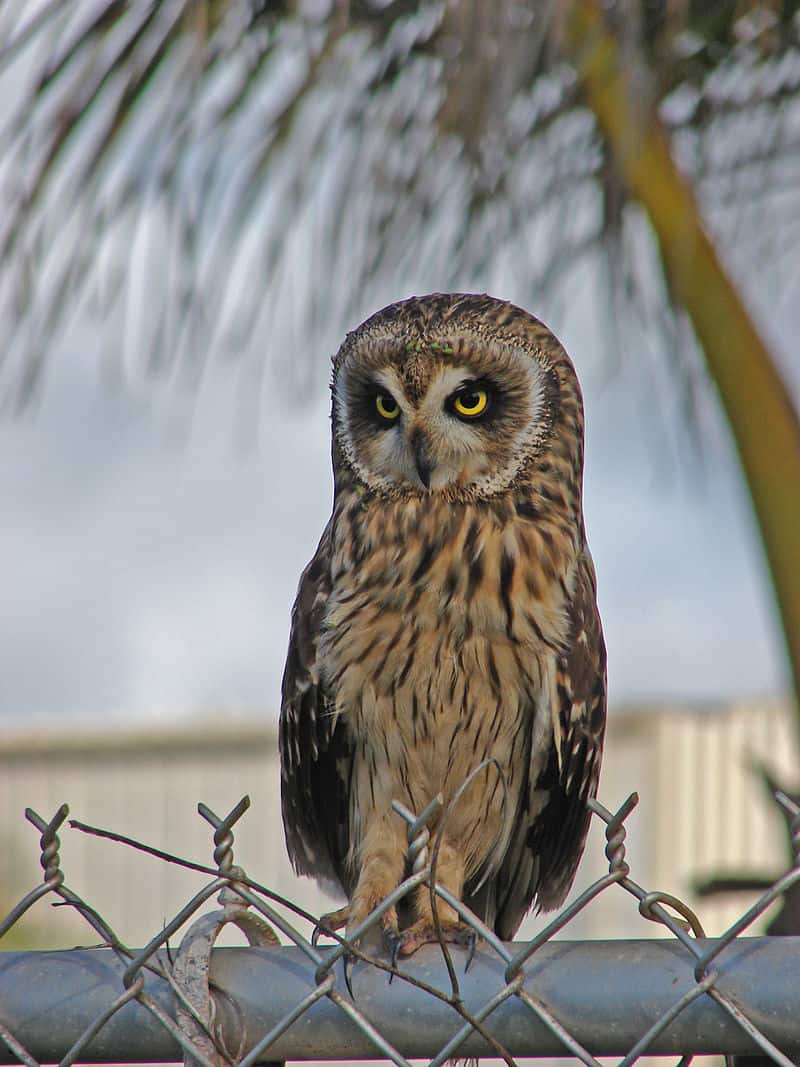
column 386, row 406
column 471, row 403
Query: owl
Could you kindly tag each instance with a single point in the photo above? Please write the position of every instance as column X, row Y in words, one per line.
column 446, row 630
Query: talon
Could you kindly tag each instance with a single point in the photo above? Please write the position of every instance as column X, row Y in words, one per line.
column 347, row 966
column 329, row 923
column 393, row 939
column 472, row 944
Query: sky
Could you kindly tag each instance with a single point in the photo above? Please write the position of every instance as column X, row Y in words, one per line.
column 153, row 538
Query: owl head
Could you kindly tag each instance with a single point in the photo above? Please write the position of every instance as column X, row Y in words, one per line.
column 448, row 394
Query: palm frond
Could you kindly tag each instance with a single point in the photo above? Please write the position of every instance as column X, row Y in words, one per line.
column 174, row 156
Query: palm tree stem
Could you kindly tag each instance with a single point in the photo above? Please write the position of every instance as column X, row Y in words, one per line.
column 762, row 417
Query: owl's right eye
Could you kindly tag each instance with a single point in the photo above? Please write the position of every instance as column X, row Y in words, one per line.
column 387, row 407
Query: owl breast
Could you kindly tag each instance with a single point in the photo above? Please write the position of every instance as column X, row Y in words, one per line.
column 438, row 648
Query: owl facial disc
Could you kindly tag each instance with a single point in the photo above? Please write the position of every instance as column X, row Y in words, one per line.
column 459, row 413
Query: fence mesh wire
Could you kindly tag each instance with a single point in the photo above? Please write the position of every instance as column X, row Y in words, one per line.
column 268, row 920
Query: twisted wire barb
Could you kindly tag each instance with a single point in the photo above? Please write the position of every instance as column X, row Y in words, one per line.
column 50, row 861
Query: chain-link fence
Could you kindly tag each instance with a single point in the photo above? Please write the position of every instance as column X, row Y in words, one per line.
column 289, row 997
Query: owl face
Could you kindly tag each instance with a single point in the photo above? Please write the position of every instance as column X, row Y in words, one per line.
column 439, row 406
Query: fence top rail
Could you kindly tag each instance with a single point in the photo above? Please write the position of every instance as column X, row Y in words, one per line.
column 606, row 993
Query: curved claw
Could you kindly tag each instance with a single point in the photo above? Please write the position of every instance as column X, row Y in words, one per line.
column 393, row 940
column 329, row 922
column 347, row 966
column 472, row 944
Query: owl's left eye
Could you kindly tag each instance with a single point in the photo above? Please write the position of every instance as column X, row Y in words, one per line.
column 387, row 407
column 470, row 402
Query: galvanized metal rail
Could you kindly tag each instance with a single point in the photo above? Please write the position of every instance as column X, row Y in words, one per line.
column 607, row 994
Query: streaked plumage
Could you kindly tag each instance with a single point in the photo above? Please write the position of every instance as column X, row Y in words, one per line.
column 438, row 627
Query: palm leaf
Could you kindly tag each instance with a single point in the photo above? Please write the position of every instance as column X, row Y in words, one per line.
column 168, row 154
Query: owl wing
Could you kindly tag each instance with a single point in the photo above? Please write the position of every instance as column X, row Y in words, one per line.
column 315, row 748
column 549, row 834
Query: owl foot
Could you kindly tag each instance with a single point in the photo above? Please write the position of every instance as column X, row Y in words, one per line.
column 425, row 933
column 348, row 917
column 330, row 922
column 327, row 926
column 389, row 934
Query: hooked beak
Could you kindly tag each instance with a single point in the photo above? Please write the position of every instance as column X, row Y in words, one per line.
column 422, row 458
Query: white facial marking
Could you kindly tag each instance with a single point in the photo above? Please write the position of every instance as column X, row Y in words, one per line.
column 458, row 447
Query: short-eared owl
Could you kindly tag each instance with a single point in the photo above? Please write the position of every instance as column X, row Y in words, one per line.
column 448, row 617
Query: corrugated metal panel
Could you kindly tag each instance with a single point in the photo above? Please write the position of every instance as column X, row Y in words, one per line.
column 714, row 814
column 145, row 785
